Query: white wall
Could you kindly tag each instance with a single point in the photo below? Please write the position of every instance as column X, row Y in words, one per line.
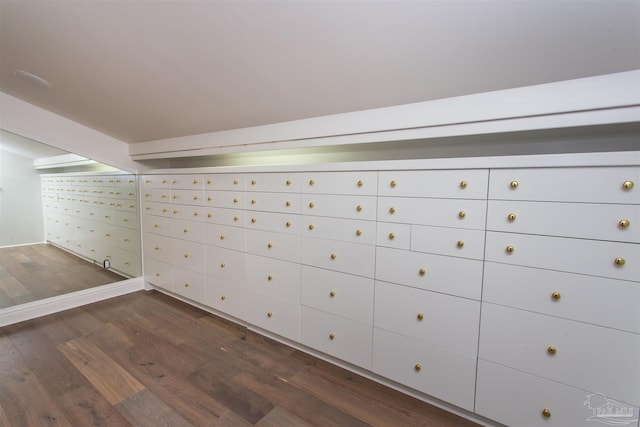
column 20, row 201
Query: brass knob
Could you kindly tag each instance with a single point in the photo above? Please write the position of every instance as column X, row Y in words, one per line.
column 546, row 413
column 422, row 271
column 288, row 182
column 332, row 336
column 511, row 217
column 358, row 208
column 223, row 298
column 235, row 182
column 619, row 261
column 222, row 265
column 195, row 197
column 392, row 210
column 269, row 314
column 333, row 256
column 209, row 181
column 186, row 230
column 627, row 185
column 509, row 249
column 187, row 284
column 174, row 181
column 269, row 278
column 332, row 294
column 235, row 200
column 175, row 196
column 209, row 215
column 157, row 274
column 391, row 236
column 235, row 218
column 360, row 183
column 463, row 184
column 195, row 181
column 551, row 350
column 175, row 211
column 513, row 184
column 462, row 214
column 157, row 248
column 164, row 181
column 460, row 243
column 311, row 204
column 222, row 237
column 420, row 316
column 253, row 220
column 311, row 182
column 253, row 201
column 186, row 255
column 287, row 224
column 311, row 226
column 253, row 182
column 418, row 367
column 288, row 203
column 623, row 223
column 358, row 232
column 393, row 183
column 269, row 245
column 555, row 295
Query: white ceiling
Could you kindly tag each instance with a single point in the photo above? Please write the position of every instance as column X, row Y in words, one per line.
column 147, row 70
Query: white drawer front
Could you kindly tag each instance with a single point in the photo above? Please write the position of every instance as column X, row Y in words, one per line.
column 280, row 279
column 126, row 205
column 225, row 296
column 522, row 340
column 274, row 315
column 439, row 319
column 338, row 293
column 233, row 217
column 277, row 182
column 456, row 242
column 620, row 223
column 346, row 230
column 157, row 224
column 157, row 273
column 127, row 262
column 274, row 245
column 156, row 246
column 223, row 181
column 580, row 184
column 189, row 284
column 364, row 183
column 518, row 399
column 454, row 276
column 194, row 213
column 343, row 338
column 273, row 202
column 187, row 181
column 394, row 235
column 185, row 254
column 225, row 236
column 128, row 238
column 270, row 221
column 570, row 296
column 225, row 264
column 127, row 219
column 224, row 199
column 459, row 184
column 186, row 197
column 440, row 212
column 345, row 257
column 591, row 257
column 187, row 230
column 427, row 368
column 339, row 206
column 154, row 208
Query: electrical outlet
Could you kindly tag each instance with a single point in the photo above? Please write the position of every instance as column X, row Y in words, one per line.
column 106, row 263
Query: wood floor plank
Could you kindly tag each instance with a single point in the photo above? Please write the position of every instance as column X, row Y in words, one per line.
column 85, row 406
column 144, row 409
column 109, row 378
column 279, row 417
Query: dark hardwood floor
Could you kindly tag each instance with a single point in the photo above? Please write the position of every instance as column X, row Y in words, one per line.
column 33, row 272
column 146, row 359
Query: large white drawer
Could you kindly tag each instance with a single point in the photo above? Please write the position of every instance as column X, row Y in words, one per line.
column 394, row 235
column 274, row 245
column 339, row 206
column 346, row 230
column 620, row 223
column 439, row 319
column 127, row 219
column 273, row 202
column 338, row 293
column 225, row 296
column 224, row 199
column 189, row 284
column 459, row 184
column 128, row 238
column 225, row 264
column 156, row 246
column 275, row 315
column 454, row 276
column 157, row 273
column 461, row 213
column 225, row 236
column 433, row 370
column 337, row 336
column 579, row 184
column 273, row 221
column 186, row 197
column 562, row 350
column 334, row 255
column 363, row 183
column 516, row 398
column 185, row 254
column 571, row 296
column 274, row 277
column 224, row 181
column 287, row 182
column 157, row 224
column 187, row 230
column 458, row 242
column 592, row 257
column 127, row 262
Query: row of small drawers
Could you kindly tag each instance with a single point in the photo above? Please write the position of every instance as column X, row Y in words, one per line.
column 105, row 216
column 89, row 191
column 72, row 203
column 578, row 184
column 122, row 181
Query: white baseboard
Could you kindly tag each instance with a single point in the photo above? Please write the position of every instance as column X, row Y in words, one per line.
column 31, row 310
